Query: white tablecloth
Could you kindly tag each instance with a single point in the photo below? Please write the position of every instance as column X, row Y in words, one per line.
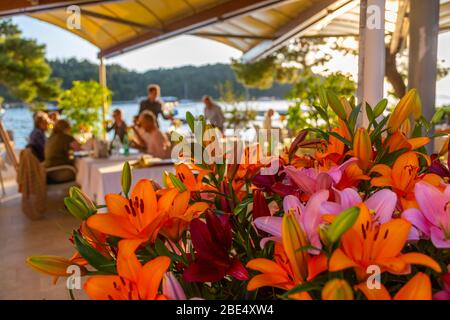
column 104, row 176
column 87, row 166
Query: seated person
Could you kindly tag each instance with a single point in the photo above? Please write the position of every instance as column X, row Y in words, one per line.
column 149, row 139
column 119, row 125
column 59, row 151
column 37, row 139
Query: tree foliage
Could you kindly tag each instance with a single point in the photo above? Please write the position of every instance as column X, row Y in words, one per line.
column 24, row 72
column 190, row 82
column 81, row 104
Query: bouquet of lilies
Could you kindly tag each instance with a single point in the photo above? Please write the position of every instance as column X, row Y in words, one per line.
column 351, row 213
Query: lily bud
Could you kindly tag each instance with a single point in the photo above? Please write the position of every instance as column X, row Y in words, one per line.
column 171, row 288
column 76, row 193
column 342, row 223
column 347, row 107
column 337, row 289
column 52, row 265
column 126, row 178
column 323, row 228
column 295, row 245
column 405, row 128
column 362, row 148
column 77, row 208
column 336, row 105
column 260, row 207
column 410, row 103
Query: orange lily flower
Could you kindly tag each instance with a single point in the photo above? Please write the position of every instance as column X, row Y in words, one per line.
column 399, row 141
column 351, row 177
column 139, row 217
column 179, row 214
column 134, row 281
column 279, row 274
column 292, row 264
column 417, row 288
column 403, row 177
column 368, row 243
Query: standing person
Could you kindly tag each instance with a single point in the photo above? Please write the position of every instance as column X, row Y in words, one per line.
column 213, row 113
column 267, row 124
column 58, row 151
column 37, row 138
column 119, row 126
column 149, row 138
column 153, row 102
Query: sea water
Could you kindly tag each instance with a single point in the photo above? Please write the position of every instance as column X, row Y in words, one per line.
column 20, row 121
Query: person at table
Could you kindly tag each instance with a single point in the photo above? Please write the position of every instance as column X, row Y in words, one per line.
column 148, row 137
column 213, row 113
column 59, row 151
column 153, row 103
column 37, row 139
column 119, row 126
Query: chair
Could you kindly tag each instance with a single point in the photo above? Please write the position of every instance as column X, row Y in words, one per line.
column 32, row 181
column 62, row 187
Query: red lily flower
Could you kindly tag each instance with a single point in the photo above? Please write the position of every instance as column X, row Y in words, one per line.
column 260, row 207
column 212, row 243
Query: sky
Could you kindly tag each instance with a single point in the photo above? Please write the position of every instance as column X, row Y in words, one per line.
column 179, row 51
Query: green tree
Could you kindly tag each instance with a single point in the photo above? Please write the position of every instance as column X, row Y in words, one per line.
column 24, row 71
column 82, row 104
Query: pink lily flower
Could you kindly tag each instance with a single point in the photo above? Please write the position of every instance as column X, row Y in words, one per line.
column 307, row 216
column 382, row 203
column 445, row 293
column 312, row 180
column 432, row 219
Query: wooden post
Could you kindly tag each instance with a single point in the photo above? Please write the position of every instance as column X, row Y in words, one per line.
column 102, row 81
column 423, row 38
column 371, row 64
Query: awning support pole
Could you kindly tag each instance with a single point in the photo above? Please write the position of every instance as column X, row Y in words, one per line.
column 423, row 38
column 371, row 64
column 102, row 81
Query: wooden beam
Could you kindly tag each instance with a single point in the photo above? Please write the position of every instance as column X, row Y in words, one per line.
column 230, row 35
column 126, row 22
column 16, row 7
column 220, row 12
column 295, row 27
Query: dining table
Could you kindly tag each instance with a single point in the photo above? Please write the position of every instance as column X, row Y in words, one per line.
column 98, row 177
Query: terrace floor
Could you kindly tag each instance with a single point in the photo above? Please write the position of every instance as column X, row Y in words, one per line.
column 21, row 237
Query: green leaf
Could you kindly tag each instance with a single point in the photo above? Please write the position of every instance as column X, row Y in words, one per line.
column 304, row 287
column 177, row 182
column 321, row 112
column 336, row 105
column 323, row 98
column 345, row 141
column 190, row 120
column 353, row 118
column 92, row 256
column 379, row 108
column 369, row 113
